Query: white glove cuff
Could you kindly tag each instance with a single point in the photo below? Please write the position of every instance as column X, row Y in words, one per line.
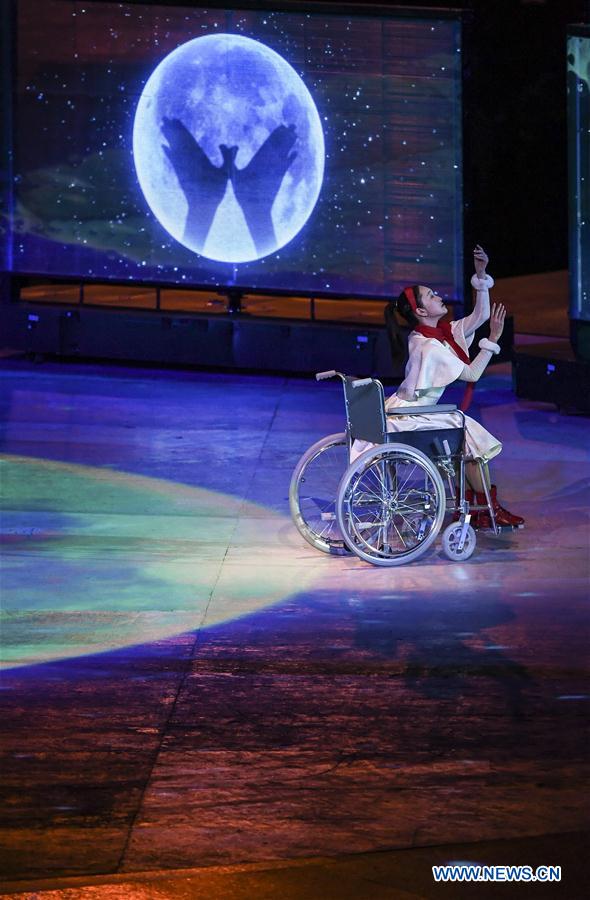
column 485, row 344
column 482, row 284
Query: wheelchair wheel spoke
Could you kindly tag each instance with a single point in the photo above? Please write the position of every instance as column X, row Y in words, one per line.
column 378, row 486
column 313, row 490
column 409, row 525
column 408, row 476
column 367, row 497
column 392, row 506
column 399, row 535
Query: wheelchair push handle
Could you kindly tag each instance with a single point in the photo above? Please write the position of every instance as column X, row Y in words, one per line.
column 332, row 373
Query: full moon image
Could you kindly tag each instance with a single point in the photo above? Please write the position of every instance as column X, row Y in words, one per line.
column 228, row 148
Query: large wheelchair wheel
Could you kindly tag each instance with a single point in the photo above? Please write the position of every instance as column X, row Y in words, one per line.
column 390, row 505
column 313, row 489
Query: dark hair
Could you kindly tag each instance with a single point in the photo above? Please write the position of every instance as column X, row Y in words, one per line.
column 404, row 307
column 396, row 331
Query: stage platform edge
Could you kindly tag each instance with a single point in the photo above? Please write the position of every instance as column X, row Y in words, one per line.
column 221, row 341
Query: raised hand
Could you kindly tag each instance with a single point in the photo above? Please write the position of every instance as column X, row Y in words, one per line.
column 480, row 261
column 202, row 183
column 497, row 321
column 258, row 183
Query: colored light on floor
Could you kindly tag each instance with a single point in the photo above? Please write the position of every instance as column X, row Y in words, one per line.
column 97, row 559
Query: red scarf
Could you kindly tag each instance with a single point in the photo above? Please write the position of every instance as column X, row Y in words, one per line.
column 443, row 332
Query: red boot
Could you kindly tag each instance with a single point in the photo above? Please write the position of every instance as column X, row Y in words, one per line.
column 503, row 517
column 481, row 518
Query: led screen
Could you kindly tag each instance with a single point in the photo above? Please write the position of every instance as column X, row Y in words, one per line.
column 274, row 150
column 578, row 55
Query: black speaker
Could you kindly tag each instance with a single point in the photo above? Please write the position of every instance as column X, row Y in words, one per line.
column 552, row 374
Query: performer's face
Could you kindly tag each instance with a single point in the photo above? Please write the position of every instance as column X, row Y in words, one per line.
column 431, row 302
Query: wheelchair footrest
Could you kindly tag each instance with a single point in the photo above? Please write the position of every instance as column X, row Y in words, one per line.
column 502, row 529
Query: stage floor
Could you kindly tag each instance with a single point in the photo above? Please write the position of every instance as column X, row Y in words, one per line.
column 190, row 685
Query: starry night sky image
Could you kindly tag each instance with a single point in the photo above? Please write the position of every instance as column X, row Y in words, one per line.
column 387, row 93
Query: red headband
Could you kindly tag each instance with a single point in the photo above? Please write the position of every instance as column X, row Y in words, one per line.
column 409, row 293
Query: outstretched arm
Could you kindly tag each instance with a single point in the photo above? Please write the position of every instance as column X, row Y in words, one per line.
column 481, row 283
column 487, row 348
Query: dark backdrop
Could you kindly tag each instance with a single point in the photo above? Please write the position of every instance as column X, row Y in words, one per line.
column 515, row 162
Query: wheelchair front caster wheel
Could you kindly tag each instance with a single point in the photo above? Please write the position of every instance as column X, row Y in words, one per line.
column 450, row 540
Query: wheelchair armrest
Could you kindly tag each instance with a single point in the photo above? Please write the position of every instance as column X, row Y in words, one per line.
column 420, row 410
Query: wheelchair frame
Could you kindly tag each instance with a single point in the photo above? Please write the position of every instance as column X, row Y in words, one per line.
column 367, row 499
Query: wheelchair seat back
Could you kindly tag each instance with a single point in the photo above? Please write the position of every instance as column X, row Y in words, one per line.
column 365, row 410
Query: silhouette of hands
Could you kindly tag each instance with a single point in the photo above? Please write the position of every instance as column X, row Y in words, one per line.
column 202, row 183
column 229, row 156
column 266, row 169
column 257, row 184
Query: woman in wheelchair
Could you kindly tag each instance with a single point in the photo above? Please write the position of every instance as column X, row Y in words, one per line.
column 438, row 355
column 382, row 488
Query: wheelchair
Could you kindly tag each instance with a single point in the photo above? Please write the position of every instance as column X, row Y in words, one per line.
column 388, row 505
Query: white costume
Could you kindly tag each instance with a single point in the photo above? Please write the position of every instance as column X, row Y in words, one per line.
column 432, row 366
